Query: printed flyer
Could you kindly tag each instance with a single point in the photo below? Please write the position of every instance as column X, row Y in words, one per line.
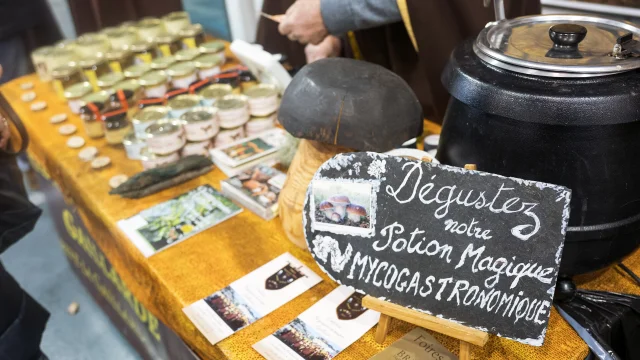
column 250, row 298
column 178, row 219
column 322, row 331
column 417, row 344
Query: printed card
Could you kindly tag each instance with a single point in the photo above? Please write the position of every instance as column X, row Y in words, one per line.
column 417, row 344
column 178, row 219
column 250, row 298
column 322, row 331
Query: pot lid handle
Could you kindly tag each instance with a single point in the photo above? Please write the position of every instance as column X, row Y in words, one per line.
column 498, row 8
column 567, row 36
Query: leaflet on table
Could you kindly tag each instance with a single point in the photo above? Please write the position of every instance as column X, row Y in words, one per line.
column 178, row 219
column 256, row 189
column 323, row 330
column 250, row 298
column 250, row 149
column 417, row 344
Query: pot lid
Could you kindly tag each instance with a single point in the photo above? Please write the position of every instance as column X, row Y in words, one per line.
column 560, row 45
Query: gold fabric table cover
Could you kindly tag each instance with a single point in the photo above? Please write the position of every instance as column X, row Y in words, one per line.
column 186, row 272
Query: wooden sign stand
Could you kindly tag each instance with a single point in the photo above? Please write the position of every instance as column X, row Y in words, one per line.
column 388, row 311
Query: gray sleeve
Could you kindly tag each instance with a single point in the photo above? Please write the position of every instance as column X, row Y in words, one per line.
column 341, row 16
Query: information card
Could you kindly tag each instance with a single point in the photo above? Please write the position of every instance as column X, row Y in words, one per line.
column 417, row 344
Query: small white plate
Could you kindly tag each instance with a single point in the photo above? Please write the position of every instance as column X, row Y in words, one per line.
column 58, row 118
column 100, row 162
column 89, row 153
column 26, row 86
column 38, row 106
column 75, row 142
column 118, row 180
column 28, row 96
column 67, row 129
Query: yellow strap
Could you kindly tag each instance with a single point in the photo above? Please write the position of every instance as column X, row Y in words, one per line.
column 357, row 54
column 404, row 12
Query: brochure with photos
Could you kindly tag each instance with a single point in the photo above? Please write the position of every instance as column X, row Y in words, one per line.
column 253, row 296
column 257, row 189
column 178, row 219
column 256, row 148
column 417, row 344
column 322, row 331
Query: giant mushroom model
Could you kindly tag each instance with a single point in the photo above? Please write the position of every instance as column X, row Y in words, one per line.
column 335, row 106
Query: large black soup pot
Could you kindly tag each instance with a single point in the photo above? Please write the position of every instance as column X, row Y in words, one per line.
column 583, row 133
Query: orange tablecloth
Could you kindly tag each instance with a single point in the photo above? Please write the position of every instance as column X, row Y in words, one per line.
column 209, row 261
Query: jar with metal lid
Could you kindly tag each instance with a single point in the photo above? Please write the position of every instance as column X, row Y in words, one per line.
column 116, row 126
column 192, row 36
column 97, row 97
column 168, row 44
column 182, row 74
column 119, row 59
column 58, row 57
column 233, row 111
column 165, row 137
column 208, row 65
column 259, row 124
column 197, row 148
column 147, row 116
column 163, row 63
column 200, row 123
column 64, row 77
column 92, row 44
column 109, row 80
column 212, row 93
column 121, row 38
column 131, row 85
column 75, row 93
column 39, row 60
column 247, row 79
column 137, row 70
column 143, row 51
column 152, row 161
column 133, row 146
column 150, row 28
column 91, row 116
column 124, row 99
column 176, row 21
column 230, row 78
column 93, row 68
column 187, row 54
column 155, row 83
column 214, row 47
column 263, row 99
column 66, row 44
column 182, row 103
column 228, row 136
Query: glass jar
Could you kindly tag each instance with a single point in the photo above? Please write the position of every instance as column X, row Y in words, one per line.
column 208, row 65
column 108, row 81
column 263, row 99
column 182, row 103
column 93, row 68
column 97, row 97
column 91, row 117
column 233, row 111
column 168, row 44
column 192, row 36
column 162, row 63
column 119, row 59
column 152, row 161
column 229, row 136
column 187, row 55
column 124, row 99
column 116, row 126
column 147, row 116
column 176, row 21
column 133, row 146
column 230, row 78
column 59, row 57
column 149, row 28
column 200, row 123
column 212, row 93
column 155, row 83
column 182, row 74
column 143, row 51
column 92, row 44
column 75, row 93
column 121, row 38
column 196, row 148
column 214, row 47
column 259, row 124
column 39, row 60
column 137, row 70
column 131, row 85
column 165, row 137
column 65, row 76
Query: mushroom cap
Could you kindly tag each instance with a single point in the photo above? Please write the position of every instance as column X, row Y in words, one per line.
column 336, row 217
column 339, row 199
column 356, row 210
column 325, row 205
column 350, row 103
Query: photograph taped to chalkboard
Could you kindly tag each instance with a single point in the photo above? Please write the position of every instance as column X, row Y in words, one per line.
column 342, row 207
column 480, row 249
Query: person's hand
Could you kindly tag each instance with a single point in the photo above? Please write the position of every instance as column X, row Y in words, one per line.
column 303, row 22
column 5, row 132
column 329, row 47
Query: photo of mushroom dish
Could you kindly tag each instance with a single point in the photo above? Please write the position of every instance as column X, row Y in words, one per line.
column 341, row 204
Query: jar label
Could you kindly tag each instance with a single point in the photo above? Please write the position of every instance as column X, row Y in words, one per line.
column 156, row 91
column 189, row 43
column 263, row 106
column 184, row 82
column 233, row 118
column 57, row 86
column 143, row 58
column 115, row 66
column 201, row 130
column 167, row 143
column 207, row 73
column 197, row 148
column 165, row 49
column 93, row 79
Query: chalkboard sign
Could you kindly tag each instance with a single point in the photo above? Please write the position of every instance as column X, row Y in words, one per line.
column 476, row 248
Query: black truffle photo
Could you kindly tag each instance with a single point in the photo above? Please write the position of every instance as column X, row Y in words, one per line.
column 342, row 207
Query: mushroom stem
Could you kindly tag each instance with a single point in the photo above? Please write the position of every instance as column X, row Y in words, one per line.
column 310, row 155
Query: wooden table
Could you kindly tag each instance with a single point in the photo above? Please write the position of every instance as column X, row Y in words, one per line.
column 209, row 261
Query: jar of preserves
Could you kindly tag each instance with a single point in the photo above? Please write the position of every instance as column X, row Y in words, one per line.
column 137, row 70
column 119, row 59
column 182, row 74
column 123, row 99
column 163, row 63
column 233, row 111
column 121, row 38
column 149, row 28
column 93, row 68
column 192, row 36
column 197, row 148
column 116, row 126
column 168, row 44
column 65, row 76
column 109, row 80
column 132, row 85
column 91, row 117
column 176, row 21
column 151, row 161
column 228, row 136
column 155, row 84
column 182, row 103
column 147, row 116
column 263, row 99
column 212, row 93
column 214, row 47
column 200, row 123
column 143, row 51
column 97, row 97
column 92, row 44
column 208, row 65
column 39, row 60
column 58, row 57
column 187, row 55
column 133, row 146
column 75, row 93
column 259, row 124
column 165, row 137
column 230, row 78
